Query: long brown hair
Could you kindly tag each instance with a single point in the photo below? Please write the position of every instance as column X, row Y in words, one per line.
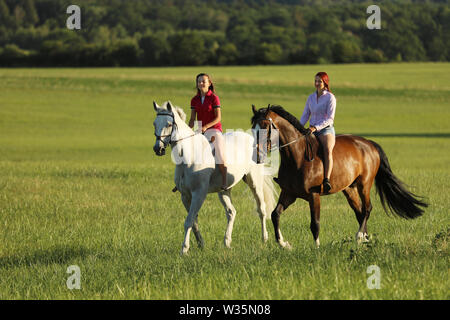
column 211, row 85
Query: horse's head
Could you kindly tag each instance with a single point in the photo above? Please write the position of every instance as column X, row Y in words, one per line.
column 164, row 127
column 261, row 118
column 274, row 119
column 265, row 130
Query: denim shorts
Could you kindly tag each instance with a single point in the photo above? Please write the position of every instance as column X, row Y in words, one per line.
column 327, row 130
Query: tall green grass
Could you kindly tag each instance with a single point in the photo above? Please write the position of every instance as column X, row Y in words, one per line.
column 80, row 185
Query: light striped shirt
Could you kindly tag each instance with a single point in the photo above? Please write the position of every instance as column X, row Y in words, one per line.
column 321, row 111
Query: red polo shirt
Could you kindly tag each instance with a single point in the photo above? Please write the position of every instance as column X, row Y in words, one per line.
column 205, row 110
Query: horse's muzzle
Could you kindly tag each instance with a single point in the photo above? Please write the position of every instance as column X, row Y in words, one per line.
column 159, row 151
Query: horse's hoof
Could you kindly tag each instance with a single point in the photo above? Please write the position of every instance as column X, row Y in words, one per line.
column 362, row 237
column 227, row 243
column 286, row 245
column 317, row 242
column 184, row 252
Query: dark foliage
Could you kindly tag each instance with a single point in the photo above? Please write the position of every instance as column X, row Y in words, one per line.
column 220, row 32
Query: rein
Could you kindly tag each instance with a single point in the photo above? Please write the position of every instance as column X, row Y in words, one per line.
column 309, row 154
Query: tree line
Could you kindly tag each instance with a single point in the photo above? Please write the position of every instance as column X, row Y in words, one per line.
column 220, row 32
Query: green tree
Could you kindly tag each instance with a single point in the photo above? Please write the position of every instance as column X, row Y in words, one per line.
column 12, row 55
column 227, row 54
column 31, row 15
column 155, row 49
column 319, row 48
column 346, row 51
column 19, row 16
column 187, row 49
column 270, row 53
column 5, row 15
column 374, row 55
column 125, row 52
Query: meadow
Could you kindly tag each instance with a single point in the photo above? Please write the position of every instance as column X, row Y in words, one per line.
column 80, row 185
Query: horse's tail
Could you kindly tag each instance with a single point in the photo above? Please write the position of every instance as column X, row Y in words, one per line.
column 393, row 192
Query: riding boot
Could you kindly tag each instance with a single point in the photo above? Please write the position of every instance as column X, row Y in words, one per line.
column 326, row 185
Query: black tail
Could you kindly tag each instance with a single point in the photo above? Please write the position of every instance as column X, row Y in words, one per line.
column 393, row 192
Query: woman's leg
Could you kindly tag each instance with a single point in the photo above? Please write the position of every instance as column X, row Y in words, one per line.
column 219, row 146
column 328, row 141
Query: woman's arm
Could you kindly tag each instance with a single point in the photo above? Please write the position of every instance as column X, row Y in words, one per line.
column 306, row 114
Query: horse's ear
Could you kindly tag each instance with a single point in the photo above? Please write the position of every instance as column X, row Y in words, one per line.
column 254, row 109
column 268, row 106
column 155, row 106
column 169, row 106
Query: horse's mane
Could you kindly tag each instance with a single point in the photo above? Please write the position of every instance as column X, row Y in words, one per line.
column 279, row 110
column 181, row 113
column 177, row 109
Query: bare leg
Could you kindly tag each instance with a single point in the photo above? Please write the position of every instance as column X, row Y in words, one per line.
column 219, row 146
column 328, row 141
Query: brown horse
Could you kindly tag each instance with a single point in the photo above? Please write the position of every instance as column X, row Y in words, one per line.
column 357, row 164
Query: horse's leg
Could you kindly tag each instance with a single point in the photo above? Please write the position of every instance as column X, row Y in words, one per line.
column 198, row 198
column 351, row 193
column 230, row 211
column 198, row 236
column 314, row 208
column 364, row 193
column 283, row 203
column 255, row 183
column 186, row 199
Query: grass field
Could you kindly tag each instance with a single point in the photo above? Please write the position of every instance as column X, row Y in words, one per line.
column 80, row 185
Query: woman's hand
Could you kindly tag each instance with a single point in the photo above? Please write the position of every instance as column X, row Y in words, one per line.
column 312, row 129
column 204, row 128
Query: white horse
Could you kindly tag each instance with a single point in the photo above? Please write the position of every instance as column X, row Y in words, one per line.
column 196, row 173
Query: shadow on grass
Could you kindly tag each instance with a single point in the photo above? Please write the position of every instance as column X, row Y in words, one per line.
column 55, row 255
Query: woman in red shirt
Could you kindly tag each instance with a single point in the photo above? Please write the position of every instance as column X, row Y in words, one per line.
column 205, row 106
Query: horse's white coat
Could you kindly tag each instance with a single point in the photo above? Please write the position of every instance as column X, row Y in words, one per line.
column 196, row 173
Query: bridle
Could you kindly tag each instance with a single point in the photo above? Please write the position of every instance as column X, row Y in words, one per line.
column 174, row 124
column 309, row 154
